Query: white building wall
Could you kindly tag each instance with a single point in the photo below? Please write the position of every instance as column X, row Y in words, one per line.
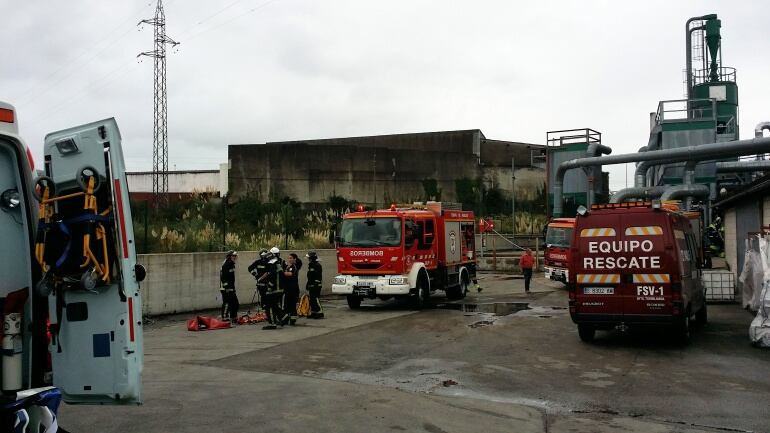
column 179, row 181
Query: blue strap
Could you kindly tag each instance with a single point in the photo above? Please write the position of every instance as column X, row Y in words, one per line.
column 66, row 252
column 63, row 227
column 88, row 218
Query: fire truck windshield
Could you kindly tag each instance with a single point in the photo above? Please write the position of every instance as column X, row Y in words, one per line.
column 371, row 232
column 558, row 237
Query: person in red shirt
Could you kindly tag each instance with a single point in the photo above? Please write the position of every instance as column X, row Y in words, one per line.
column 526, row 262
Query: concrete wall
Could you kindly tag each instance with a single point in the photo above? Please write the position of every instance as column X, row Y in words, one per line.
column 766, row 211
column 377, row 169
column 190, row 281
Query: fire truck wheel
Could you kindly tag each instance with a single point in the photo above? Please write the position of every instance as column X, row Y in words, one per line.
column 354, row 302
column 420, row 298
column 464, row 284
column 586, row 332
column 460, row 291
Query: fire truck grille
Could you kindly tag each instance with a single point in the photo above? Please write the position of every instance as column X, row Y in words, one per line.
column 368, row 266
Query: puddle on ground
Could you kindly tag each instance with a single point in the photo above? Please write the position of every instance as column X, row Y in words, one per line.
column 496, row 308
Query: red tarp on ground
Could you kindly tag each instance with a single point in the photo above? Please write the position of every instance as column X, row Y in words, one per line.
column 254, row 318
column 205, row 323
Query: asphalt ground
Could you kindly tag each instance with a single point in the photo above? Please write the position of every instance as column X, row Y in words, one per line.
column 450, row 368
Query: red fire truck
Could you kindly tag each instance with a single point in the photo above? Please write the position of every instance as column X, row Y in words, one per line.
column 557, row 242
column 407, row 251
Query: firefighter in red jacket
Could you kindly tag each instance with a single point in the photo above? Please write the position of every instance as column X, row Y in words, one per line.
column 526, row 262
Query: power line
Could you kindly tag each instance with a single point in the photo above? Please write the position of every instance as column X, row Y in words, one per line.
column 35, row 96
column 258, row 7
column 68, row 101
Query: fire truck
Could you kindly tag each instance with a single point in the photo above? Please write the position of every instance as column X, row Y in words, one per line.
column 410, row 251
column 557, row 244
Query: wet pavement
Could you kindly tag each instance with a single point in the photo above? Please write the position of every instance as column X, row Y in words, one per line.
column 498, row 361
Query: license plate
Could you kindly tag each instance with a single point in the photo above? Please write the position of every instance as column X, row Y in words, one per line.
column 364, row 284
column 598, row 290
column 362, row 291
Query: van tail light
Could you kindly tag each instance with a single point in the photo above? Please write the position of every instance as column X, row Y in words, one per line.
column 571, row 291
column 677, row 306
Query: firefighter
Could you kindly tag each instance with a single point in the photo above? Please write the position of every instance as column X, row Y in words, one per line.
column 227, row 284
column 526, row 262
column 259, row 269
column 291, row 287
column 313, row 285
column 274, row 296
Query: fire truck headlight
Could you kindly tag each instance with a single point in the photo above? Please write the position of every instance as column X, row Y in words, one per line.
column 339, row 279
column 397, row 281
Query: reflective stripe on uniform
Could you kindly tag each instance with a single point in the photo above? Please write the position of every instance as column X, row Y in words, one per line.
column 652, row 278
column 598, row 278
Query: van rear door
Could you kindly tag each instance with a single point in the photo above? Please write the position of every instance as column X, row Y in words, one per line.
column 646, row 286
column 596, row 283
column 96, row 349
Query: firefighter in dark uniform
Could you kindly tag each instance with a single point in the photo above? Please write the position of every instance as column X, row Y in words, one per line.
column 227, row 286
column 291, row 288
column 313, row 285
column 274, row 296
column 259, row 270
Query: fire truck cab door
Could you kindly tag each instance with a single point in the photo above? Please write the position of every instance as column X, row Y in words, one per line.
column 97, row 350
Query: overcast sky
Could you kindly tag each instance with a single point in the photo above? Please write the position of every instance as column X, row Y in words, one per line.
column 250, row 71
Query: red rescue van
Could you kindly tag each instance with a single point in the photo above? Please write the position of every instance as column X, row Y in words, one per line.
column 635, row 264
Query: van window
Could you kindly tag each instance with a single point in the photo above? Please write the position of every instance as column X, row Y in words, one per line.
column 644, row 231
column 695, row 254
column 685, row 255
column 597, row 232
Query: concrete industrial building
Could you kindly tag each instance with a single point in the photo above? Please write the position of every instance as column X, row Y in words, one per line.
column 383, row 168
column 181, row 183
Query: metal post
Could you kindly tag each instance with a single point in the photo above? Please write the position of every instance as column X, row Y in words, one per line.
column 513, row 200
column 146, row 210
column 537, row 254
column 224, row 223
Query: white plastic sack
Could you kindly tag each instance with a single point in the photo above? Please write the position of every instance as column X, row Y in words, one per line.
column 759, row 330
column 751, row 277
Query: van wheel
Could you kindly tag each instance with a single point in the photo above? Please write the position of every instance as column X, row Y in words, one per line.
column 586, row 333
column 354, row 302
column 702, row 316
column 683, row 331
column 420, row 299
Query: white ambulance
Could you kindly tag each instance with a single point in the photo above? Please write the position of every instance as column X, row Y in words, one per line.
column 69, row 281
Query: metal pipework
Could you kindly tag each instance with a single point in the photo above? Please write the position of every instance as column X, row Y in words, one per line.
column 677, row 192
column 700, row 153
column 688, row 43
column 645, row 193
column 594, row 149
column 761, row 127
column 640, row 174
column 743, row 166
